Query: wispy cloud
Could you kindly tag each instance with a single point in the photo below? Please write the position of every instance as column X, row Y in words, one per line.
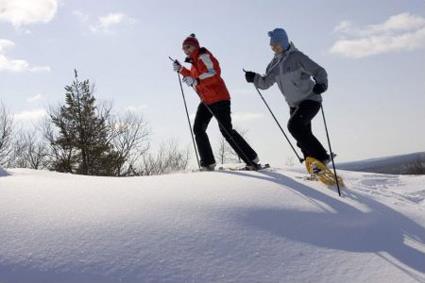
column 30, row 115
column 246, row 116
column 137, row 109
column 344, row 26
column 6, row 44
column 35, row 98
column 16, row 65
column 107, row 22
column 81, row 16
column 26, row 12
column 243, row 91
column 239, row 117
column 402, row 32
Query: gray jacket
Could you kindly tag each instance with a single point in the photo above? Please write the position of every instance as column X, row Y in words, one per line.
column 295, row 74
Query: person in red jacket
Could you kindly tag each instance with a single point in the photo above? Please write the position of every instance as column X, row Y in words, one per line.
column 205, row 77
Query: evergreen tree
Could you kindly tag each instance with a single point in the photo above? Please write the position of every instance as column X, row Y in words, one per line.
column 83, row 133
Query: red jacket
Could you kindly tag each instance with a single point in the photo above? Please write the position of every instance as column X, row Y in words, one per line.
column 206, row 69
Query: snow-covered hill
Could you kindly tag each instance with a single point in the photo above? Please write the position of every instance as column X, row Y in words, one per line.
column 400, row 164
column 2, row 172
column 270, row 226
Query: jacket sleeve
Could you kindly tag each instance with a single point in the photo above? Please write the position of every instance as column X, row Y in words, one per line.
column 185, row 72
column 315, row 70
column 208, row 75
column 266, row 81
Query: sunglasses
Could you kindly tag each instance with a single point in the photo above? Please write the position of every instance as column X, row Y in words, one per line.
column 186, row 47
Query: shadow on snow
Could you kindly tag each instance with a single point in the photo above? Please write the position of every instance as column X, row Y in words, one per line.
column 347, row 229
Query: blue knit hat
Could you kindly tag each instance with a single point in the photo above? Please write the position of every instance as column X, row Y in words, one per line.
column 278, row 35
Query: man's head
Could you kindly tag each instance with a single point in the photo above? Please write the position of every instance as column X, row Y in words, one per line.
column 190, row 44
column 278, row 40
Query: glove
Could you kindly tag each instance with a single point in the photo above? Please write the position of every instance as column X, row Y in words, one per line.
column 176, row 66
column 319, row 88
column 190, row 81
column 249, row 76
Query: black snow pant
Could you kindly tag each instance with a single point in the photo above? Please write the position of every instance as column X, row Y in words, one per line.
column 221, row 112
column 299, row 125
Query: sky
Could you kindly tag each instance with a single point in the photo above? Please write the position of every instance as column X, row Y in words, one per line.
column 373, row 51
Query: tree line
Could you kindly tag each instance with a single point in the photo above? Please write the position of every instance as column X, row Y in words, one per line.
column 84, row 136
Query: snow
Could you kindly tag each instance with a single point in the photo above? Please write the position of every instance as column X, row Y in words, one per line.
column 2, row 172
column 270, row 226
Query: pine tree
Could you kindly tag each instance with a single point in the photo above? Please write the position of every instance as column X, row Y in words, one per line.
column 83, row 132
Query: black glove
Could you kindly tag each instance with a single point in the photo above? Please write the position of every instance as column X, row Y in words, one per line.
column 319, row 88
column 249, row 76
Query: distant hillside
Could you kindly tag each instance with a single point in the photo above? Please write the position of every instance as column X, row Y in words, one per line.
column 413, row 163
column 2, row 172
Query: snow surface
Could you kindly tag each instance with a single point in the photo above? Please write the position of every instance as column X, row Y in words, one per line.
column 270, row 226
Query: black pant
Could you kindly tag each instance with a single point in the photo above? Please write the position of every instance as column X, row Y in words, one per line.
column 299, row 125
column 221, row 112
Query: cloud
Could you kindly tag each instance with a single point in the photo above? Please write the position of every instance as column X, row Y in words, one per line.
column 137, row 109
column 35, row 98
column 82, row 17
column 402, row 32
column 16, row 65
column 243, row 91
column 30, row 115
column 26, row 12
column 246, row 116
column 39, row 69
column 401, row 22
column 239, row 117
column 105, row 23
column 344, row 26
column 5, row 44
column 12, row 65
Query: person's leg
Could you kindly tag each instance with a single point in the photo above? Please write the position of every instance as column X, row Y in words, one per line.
column 303, row 150
column 202, row 119
column 222, row 112
column 299, row 125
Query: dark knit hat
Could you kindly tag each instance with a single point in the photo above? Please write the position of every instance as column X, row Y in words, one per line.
column 191, row 40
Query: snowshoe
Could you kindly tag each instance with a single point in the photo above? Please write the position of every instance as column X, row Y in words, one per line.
column 321, row 172
column 210, row 167
column 256, row 167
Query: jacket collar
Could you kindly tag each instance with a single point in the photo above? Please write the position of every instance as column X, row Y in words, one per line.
column 193, row 56
column 285, row 54
column 278, row 58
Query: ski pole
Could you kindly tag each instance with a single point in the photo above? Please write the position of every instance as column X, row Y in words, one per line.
column 301, row 160
column 330, row 150
column 221, row 125
column 188, row 119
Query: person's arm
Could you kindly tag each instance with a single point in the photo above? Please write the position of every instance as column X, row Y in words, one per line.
column 266, row 81
column 185, row 72
column 318, row 73
column 208, row 75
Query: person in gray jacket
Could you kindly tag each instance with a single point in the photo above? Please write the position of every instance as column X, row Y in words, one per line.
column 301, row 81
